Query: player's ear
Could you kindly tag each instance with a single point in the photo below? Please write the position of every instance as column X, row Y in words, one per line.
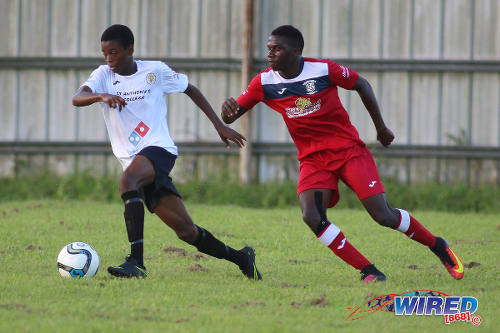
column 130, row 50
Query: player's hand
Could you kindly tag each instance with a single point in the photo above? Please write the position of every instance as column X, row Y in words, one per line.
column 385, row 136
column 228, row 134
column 113, row 101
column 230, row 110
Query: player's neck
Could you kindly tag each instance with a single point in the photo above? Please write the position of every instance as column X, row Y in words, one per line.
column 294, row 69
column 129, row 69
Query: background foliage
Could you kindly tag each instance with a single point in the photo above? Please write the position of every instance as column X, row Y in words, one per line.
column 83, row 186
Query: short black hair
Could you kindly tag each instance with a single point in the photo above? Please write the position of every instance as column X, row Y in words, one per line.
column 292, row 34
column 120, row 33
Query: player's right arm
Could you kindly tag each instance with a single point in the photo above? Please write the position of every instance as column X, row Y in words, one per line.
column 84, row 96
column 231, row 110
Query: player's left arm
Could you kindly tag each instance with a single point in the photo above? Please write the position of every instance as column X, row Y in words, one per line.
column 365, row 91
column 226, row 133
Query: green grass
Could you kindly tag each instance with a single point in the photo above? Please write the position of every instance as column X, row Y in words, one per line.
column 305, row 287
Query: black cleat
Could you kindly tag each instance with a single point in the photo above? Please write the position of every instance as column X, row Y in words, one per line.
column 130, row 268
column 250, row 269
column 371, row 274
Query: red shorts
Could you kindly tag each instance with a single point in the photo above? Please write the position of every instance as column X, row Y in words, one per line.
column 355, row 167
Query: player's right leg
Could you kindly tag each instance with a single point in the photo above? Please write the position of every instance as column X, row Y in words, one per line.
column 314, row 203
column 361, row 175
column 171, row 210
column 139, row 173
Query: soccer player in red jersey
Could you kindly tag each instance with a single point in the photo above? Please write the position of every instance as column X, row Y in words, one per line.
column 304, row 92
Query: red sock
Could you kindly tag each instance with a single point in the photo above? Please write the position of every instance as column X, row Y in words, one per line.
column 336, row 241
column 414, row 230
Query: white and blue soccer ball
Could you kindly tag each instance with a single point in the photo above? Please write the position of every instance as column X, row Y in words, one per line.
column 78, row 260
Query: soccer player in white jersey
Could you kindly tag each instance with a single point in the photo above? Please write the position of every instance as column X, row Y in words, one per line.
column 304, row 92
column 131, row 93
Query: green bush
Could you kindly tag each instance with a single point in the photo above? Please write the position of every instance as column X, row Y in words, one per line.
column 83, row 186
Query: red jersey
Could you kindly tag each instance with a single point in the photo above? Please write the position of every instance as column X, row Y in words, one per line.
column 309, row 103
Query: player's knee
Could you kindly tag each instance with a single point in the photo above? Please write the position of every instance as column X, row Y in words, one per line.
column 385, row 218
column 311, row 218
column 128, row 182
column 187, row 234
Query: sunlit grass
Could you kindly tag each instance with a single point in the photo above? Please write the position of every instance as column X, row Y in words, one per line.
column 305, row 287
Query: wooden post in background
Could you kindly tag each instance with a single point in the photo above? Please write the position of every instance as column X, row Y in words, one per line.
column 246, row 72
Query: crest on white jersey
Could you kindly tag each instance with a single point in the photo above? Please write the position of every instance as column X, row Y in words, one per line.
column 151, row 78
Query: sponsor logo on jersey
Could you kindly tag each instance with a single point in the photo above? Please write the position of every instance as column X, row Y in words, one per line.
column 304, row 106
column 281, row 91
column 139, row 132
column 150, row 78
column 142, row 129
column 345, row 72
column 116, row 82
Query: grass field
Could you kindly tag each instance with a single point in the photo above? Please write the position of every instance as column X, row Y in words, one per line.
column 305, row 287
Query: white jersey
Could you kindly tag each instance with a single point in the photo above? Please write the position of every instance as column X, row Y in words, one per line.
column 143, row 121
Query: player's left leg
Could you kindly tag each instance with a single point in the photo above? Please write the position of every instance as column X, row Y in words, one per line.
column 171, row 210
column 399, row 219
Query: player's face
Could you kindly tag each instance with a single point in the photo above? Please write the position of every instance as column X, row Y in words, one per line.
column 117, row 57
column 281, row 55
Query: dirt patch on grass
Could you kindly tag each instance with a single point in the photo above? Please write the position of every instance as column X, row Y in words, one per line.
column 248, row 304
column 301, row 261
column 321, row 301
column 178, row 252
column 197, row 268
column 197, row 256
column 32, row 247
column 224, row 234
column 288, row 285
column 16, row 306
column 34, row 206
column 171, row 249
column 472, row 264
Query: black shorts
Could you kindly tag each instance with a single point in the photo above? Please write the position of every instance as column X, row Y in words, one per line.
column 163, row 162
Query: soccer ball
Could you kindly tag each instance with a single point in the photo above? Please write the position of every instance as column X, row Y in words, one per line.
column 77, row 260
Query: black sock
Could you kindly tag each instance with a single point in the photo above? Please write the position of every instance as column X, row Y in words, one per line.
column 134, row 221
column 208, row 244
column 137, row 250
